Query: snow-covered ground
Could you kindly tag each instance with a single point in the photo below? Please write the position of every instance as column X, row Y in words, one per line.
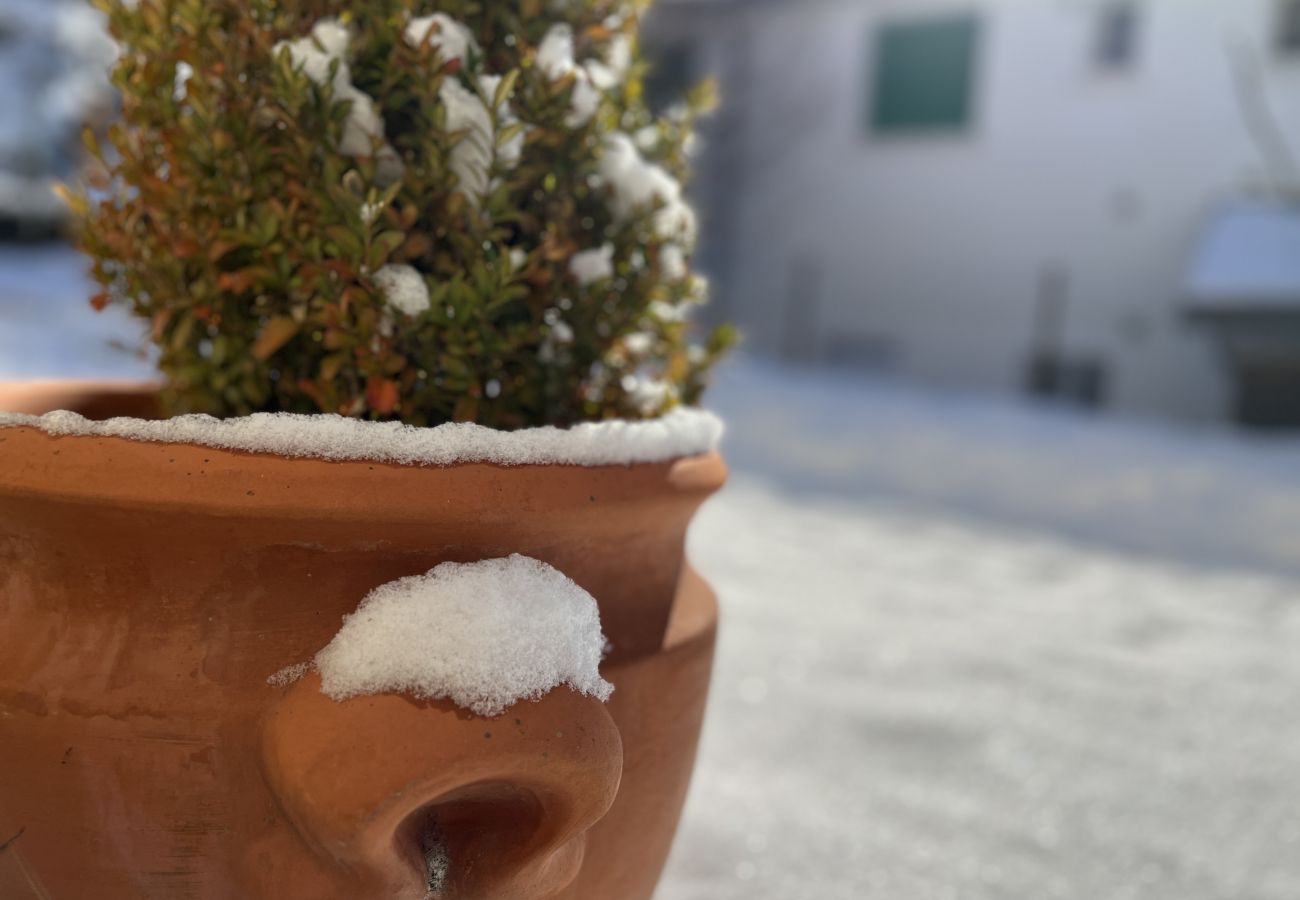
column 971, row 649
column 47, row 327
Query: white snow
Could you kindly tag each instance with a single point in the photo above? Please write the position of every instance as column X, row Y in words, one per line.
column 181, row 79
column 471, row 157
column 669, row 312
column 672, row 262
column 555, row 59
column 583, row 103
column 314, row 53
column 328, row 42
column 555, row 52
column 452, row 40
column 680, row 432
column 602, row 77
column 647, row 393
column 484, row 635
column 587, row 266
column 508, row 153
column 638, row 184
column 917, row 706
column 647, row 138
column 289, row 674
column 975, row 649
column 404, row 288
column 613, row 71
column 638, row 343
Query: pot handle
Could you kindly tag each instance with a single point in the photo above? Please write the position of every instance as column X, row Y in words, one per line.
column 424, row 799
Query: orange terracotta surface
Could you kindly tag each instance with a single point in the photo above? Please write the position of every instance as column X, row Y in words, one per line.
column 147, row 591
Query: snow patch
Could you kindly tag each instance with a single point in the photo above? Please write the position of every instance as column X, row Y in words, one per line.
column 508, row 153
column 592, row 265
column 471, row 158
column 638, row 184
column 669, row 312
column 680, row 432
column 288, row 675
column 638, row 343
column 646, row 393
column 555, row 59
column 452, row 40
column 555, row 52
column 314, row 54
column 404, row 288
column 484, row 635
column 672, row 262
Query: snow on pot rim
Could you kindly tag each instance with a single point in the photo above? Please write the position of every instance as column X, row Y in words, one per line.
column 682, row 432
column 464, row 493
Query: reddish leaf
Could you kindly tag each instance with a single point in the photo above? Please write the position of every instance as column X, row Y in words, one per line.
column 220, row 248
column 381, row 395
column 274, row 335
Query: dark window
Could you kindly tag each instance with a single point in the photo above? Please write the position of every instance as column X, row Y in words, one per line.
column 1288, row 27
column 1117, row 36
column 923, row 75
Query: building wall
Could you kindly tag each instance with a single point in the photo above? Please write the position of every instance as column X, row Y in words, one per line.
column 927, row 255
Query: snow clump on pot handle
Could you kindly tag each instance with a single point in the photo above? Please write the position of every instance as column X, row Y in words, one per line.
column 484, row 635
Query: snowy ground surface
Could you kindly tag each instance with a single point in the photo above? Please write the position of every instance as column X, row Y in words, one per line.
column 976, row 650
column 971, row 649
column 47, row 327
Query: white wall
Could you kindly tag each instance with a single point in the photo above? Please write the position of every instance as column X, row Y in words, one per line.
column 936, row 244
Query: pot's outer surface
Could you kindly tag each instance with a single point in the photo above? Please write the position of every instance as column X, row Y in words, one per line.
column 147, row 591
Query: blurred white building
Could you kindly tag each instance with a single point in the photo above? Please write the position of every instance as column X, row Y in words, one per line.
column 1000, row 194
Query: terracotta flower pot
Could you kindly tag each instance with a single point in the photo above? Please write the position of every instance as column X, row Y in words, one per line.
column 148, row 590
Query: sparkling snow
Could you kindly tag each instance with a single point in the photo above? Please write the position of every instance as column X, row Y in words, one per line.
column 471, row 157
column 328, row 42
column 403, row 287
column 672, row 262
column 977, row 650
column 587, row 266
column 680, row 432
column 452, row 40
column 484, row 635
column 555, row 52
column 555, row 59
column 639, row 184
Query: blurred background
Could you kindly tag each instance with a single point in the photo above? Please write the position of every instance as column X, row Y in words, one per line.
column 1010, row 559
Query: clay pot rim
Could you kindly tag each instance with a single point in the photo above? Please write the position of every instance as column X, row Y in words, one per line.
column 95, row 468
column 683, row 432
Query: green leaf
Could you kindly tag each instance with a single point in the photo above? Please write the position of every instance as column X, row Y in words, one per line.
column 383, row 246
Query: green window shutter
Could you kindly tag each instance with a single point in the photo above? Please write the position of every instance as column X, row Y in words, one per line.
column 923, row 75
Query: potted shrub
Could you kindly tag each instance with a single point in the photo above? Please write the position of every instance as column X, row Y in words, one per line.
column 417, row 276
